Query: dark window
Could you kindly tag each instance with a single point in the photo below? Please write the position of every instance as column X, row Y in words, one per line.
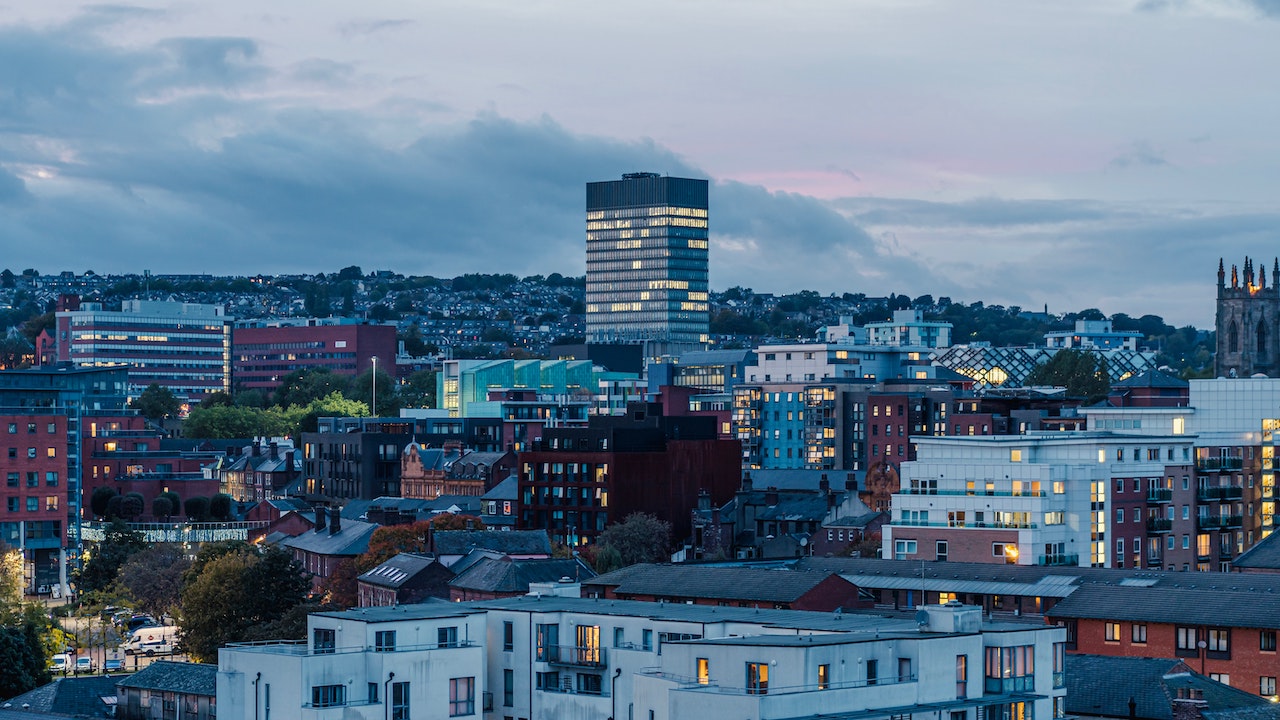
column 324, row 641
column 400, row 701
column 385, row 641
column 508, row 635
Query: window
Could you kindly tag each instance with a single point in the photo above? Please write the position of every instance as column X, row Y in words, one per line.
column 646, row 641
column 873, row 672
column 51, row 479
column 1010, row 669
column 373, row 693
column 12, row 479
column 590, row 684
column 1267, row 641
column 384, row 641
column 824, row 677
column 1223, row 678
column 13, row 428
column 619, row 637
column 323, row 696
column 323, row 641
column 447, row 637
column 400, row 701
column 31, row 453
column 962, row 677
column 51, row 502
column 1119, row 515
column 1218, row 640
column 1113, row 632
column 757, row 678
column 462, row 696
column 1186, row 639
column 508, row 687
column 508, row 636
column 51, row 452
column 1059, row 665
column 1138, row 634
column 704, row 671
column 1267, row 686
column 904, row 669
column 33, row 504
column 903, row 548
column 940, row 550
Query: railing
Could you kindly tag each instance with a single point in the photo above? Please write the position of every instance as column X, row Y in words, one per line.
column 1059, row 559
column 303, row 647
column 1059, row 680
column 1219, row 463
column 709, row 685
column 566, row 687
column 1214, row 522
column 1226, row 551
column 984, row 493
column 988, row 525
column 574, row 656
column 1159, row 525
column 1225, row 492
column 179, row 532
column 1159, row 495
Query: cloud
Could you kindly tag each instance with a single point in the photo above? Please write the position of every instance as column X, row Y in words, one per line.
column 359, row 28
column 1139, row 154
column 12, row 189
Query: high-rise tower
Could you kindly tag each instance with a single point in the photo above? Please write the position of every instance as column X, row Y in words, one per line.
column 647, row 259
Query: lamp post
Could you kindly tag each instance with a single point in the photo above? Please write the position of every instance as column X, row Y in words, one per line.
column 374, row 410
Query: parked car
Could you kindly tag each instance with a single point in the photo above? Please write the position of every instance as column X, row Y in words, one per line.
column 84, row 665
column 61, row 663
column 113, row 665
column 138, row 621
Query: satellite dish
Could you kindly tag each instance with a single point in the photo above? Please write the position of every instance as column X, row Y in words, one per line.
column 922, row 617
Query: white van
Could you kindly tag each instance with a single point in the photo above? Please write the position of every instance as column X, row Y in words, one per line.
column 61, row 663
column 150, row 641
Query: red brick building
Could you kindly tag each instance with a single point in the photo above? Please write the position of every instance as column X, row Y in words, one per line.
column 1227, row 631
column 578, row 480
column 262, row 356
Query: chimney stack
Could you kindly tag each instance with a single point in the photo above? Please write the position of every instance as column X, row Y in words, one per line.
column 335, row 521
column 321, row 514
column 275, row 450
column 746, row 482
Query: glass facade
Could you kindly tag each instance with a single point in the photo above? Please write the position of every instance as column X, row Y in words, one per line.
column 647, row 259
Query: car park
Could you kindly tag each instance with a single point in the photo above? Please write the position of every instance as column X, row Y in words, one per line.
column 84, row 665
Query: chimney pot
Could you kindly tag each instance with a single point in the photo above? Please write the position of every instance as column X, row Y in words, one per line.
column 335, row 521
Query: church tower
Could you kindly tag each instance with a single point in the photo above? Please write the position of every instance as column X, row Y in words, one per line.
column 1248, row 322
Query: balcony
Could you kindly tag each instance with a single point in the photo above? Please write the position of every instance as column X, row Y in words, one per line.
column 1226, row 552
column 1219, row 464
column 987, row 525
column 975, row 492
column 1159, row 525
column 574, row 656
column 1059, row 559
column 1225, row 492
column 1219, row 522
column 1159, row 495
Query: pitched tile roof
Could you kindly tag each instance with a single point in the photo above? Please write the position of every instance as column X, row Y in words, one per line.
column 1102, row 685
column 178, row 677
column 507, row 575
column 1221, row 606
column 508, row 489
column 352, row 539
column 1263, row 556
column 511, row 542
column 68, row 697
column 397, row 571
column 693, row 581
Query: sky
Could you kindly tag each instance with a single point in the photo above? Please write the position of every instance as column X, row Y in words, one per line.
column 1069, row 154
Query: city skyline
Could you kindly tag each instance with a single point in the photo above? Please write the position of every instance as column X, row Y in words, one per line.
column 1102, row 155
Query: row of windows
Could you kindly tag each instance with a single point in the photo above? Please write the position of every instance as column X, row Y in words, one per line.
column 33, row 478
column 51, row 428
column 32, row 453
column 14, row 504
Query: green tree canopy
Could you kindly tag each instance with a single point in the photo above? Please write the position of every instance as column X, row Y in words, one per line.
column 302, row 387
column 153, row 577
column 419, row 390
column 156, row 403
column 105, row 558
column 639, row 538
column 361, row 390
column 233, row 596
column 1083, row 374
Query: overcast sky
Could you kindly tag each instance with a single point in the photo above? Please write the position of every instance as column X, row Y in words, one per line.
column 1078, row 153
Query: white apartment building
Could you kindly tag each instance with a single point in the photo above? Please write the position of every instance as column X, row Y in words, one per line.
column 909, row 327
column 560, row 658
column 1036, row 499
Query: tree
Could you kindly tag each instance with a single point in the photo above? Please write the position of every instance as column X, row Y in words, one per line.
column 302, row 387
column 118, row 544
column 196, row 508
column 175, row 502
column 161, row 507
column 450, row 521
column 220, row 506
column 1082, row 373
column 132, row 506
column 639, row 538
column 419, row 390
column 156, row 403
column 361, row 390
column 234, row 596
column 335, row 405
column 101, row 497
column 23, row 653
column 153, row 577
column 340, row 588
column 390, row 540
column 221, row 398
column 11, row 577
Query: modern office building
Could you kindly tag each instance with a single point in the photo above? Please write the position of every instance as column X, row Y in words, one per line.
column 647, row 260
column 262, row 356
column 185, row 347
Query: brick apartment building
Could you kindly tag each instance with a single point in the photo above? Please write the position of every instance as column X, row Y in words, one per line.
column 262, row 356
column 576, row 481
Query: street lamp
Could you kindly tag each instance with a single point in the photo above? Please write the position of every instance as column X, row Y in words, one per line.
column 374, row 410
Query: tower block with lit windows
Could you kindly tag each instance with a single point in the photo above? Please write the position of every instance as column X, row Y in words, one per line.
column 1248, row 322
column 647, row 260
